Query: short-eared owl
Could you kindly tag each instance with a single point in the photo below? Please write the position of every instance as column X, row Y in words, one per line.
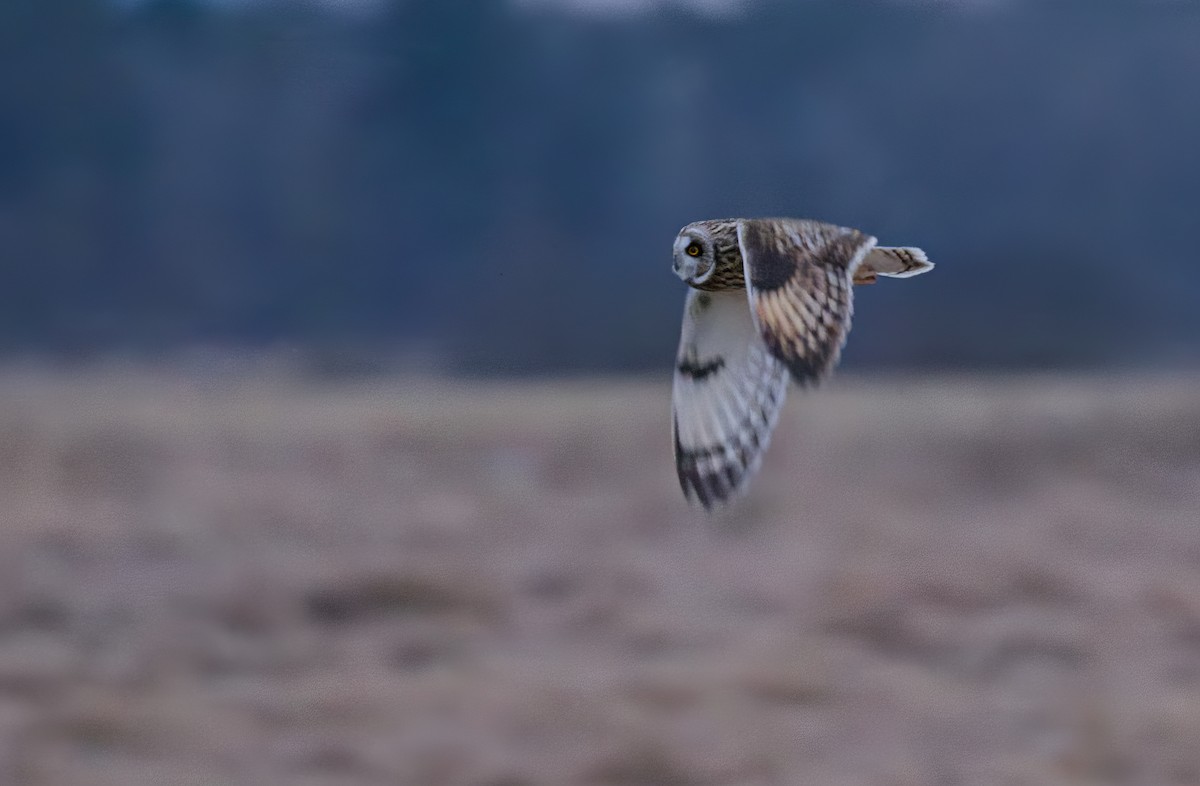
column 735, row 357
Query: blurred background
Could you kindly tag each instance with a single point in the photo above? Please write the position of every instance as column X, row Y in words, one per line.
column 335, row 350
column 494, row 186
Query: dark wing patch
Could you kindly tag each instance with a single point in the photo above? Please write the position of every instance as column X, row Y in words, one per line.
column 800, row 289
column 698, row 370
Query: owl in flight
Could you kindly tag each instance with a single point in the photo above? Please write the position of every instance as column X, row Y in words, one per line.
column 769, row 300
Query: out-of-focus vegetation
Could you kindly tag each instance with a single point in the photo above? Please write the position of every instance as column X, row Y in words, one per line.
column 495, row 186
column 377, row 583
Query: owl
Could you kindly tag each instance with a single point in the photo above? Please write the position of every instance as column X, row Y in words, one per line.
column 769, row 303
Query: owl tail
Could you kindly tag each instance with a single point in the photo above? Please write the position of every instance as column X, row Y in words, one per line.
column 895, row 262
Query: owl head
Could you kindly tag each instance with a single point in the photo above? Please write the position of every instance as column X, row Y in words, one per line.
column 695, row 253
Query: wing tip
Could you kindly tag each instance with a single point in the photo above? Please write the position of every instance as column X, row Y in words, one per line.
column 727, row 478
column 709, row 490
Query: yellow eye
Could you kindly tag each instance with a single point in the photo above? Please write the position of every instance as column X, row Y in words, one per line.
column 693, row 250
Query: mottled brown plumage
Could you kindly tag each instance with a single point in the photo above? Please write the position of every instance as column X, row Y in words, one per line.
column 728, row 274
column 736, row 355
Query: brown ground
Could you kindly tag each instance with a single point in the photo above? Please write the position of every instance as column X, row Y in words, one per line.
column 247, row 580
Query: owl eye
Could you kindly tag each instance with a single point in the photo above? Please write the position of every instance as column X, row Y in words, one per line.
column 693, row 250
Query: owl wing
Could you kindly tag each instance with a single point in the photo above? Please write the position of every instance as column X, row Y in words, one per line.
column 726, row 398
column 799, row 279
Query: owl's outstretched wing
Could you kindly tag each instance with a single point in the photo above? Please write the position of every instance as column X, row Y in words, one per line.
column 726, row 399
column 799, row 279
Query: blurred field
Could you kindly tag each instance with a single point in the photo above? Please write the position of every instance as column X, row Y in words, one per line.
column 250, row 579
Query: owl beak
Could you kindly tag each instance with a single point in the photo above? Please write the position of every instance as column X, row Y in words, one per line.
column 683, row 272
column 685, row 267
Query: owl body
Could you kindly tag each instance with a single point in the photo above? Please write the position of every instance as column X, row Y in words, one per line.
column 770, row 303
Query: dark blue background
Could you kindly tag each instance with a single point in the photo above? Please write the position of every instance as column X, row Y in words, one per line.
column 482, row 186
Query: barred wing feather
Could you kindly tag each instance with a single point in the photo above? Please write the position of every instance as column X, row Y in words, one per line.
column 727, row 394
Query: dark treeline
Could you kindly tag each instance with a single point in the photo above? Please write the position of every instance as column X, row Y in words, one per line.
column 497, row 187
